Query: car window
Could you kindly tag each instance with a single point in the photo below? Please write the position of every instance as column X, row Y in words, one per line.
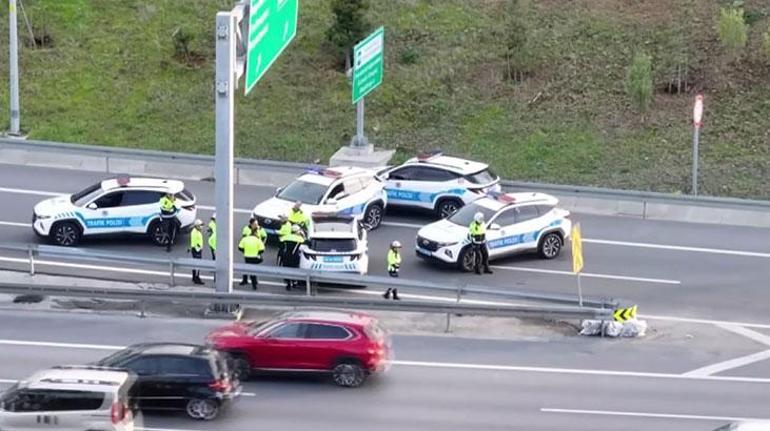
column 352, row 185
column 335, row 193
column 544, row 209
column 288, row 330
column 86, row 195
column 506, row 218
column 464, row 216
column 147, row 365
column 185, row 366
column 326, row 332
column 405, row 173
column 525, row 213
column 483, row 177
column 332, row 244
column 366, row 181
column 34, row 400
column 303, row 191
column 434, row 174
column 140, row 197
column 110, row 200
column 184, row 195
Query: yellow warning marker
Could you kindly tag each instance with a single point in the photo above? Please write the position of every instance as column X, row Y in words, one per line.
column 624, row 314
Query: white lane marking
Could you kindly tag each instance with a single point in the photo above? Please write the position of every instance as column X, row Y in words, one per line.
column 678, row 248
column 588, row 274
column 8, row 381
column 15, row 224
column 210, row 208
column 579, row 371
column 704, row 321
column 461, row 366
column 650, row 415
column 29, row 192
column 748, row 333
column 723, row 366
column 398, row 224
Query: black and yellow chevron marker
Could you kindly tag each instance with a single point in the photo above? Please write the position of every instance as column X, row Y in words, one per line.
column 624, row 314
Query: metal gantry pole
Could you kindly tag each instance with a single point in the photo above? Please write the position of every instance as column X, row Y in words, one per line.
column 360, row 139
column 13, row 60
column 225, row 81
column 695, row 151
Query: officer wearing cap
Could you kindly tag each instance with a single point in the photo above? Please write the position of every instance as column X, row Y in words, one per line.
column 394, row 264
column 297, row 217
column 477, row 231
column 291, row 245
column 213, row 235
column 196, row 248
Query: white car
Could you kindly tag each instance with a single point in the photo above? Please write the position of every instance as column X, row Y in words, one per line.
column 746, row 426
column 515, row 222
column 122, row 205
column 344, row 191
column 439, row 183
column 335, row 244
column 70, row 399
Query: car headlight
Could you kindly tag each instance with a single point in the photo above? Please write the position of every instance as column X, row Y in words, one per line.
column 42, row 217
column 446, row 244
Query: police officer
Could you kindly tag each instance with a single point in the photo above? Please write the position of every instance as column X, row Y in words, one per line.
column 252, row 248
column 283, row 232
column 168, row 211
column 297, row 217
column 196, row 248
column 394, row 263
column 290, row 258
column 248, row 229
column 477, row 231
column 213, row 235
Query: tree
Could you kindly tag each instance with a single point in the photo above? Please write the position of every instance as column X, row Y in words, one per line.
column 766, row 44
column 732, row 30
column 349, row 27
column 518, row 53
column 639, row 82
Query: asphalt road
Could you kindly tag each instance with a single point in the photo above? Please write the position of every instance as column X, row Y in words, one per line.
column 667, row 268
column 437, row 383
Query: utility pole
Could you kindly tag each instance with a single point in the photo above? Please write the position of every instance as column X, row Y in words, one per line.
column 13, row 60
column 697, row 122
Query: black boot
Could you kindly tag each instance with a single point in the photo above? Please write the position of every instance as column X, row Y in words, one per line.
column 244, row 280
column 487, row 270
column 395, row 295
column 386, row 295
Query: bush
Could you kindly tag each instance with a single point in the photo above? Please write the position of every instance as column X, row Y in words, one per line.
column 409, row 55
column 732, row 31
column 639, row 82
column 349, row 27
column 182, row 38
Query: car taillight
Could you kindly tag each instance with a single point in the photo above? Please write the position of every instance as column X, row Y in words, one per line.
column 221, row 385
column 119, row 412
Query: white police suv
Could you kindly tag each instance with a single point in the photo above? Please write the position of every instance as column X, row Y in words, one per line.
column 344, row 191
column 515, row 222
column 123, row 205
column 335, row 244
column 437, row 182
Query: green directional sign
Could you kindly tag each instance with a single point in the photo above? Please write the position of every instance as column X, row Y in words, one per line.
column 272, row 25
column 368, row 63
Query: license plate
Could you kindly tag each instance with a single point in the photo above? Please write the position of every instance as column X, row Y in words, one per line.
column 332, row 259
column 424, row 252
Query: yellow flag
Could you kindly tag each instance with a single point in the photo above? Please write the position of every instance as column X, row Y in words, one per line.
column 577, row 249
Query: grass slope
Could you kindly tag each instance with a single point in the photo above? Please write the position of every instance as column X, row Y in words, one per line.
column 111, row 78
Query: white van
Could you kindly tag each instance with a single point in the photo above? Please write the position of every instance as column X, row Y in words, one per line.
column 72, row 398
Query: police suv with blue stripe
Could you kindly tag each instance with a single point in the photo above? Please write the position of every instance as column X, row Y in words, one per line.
column 439, row 183
column 342, row 190
column 335, row 244
column 122, row 205
column 515, row 223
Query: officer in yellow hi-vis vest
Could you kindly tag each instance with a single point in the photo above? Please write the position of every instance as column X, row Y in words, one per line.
column 477, row 232
column 252, row 248
column 168, row 211
column 297, row 217
column 394, row 264
column 213, row 235
column 196, row 248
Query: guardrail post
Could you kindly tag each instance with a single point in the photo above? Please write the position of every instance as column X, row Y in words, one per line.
column 142, row 306
column 308, row 288
column 31, row 261
column 171, row 273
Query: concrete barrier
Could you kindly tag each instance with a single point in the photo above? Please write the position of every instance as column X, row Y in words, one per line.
column 588, row 200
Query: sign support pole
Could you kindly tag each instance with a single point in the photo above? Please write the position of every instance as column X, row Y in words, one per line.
column 580, row 290
column 360, row 139
column 695, row 150
column 13, row 60
column 225, row 80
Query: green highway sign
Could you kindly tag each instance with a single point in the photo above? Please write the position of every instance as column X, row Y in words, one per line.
column 272, row 25
column 368, row 63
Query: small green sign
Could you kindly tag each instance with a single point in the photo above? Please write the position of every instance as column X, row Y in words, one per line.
column 368, row 63
column 272, row 25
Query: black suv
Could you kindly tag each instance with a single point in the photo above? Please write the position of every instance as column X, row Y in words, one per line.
column 176, row 376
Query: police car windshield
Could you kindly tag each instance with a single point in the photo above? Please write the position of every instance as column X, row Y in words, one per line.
column 86, row 195
column 484, row 177
column 303, row 191
column 464, row 216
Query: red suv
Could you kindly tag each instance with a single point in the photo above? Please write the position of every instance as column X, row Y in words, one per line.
column 349, row 345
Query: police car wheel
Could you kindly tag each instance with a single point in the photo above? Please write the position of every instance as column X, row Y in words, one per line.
column 157, row 234
column 550, row 246
column 466, row 261
column 65, row 233
column 447, row 207
column 373, row 215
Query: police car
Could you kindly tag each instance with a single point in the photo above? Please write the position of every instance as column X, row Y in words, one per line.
column 335, row 244
column 438, row 183
column 344, row 191
column 515, row 222
column 122, row 205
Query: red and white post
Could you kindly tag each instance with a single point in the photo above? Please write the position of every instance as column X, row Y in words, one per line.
column 697, row 122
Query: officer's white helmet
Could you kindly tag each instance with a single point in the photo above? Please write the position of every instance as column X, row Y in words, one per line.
column 295, row 228
column 198, row 222
column 395, row 244
column 214, row 216
column 479, row 217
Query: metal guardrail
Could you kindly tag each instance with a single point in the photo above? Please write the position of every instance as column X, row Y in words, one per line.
column 263, row 299
column 591, row 192
column 34, row 251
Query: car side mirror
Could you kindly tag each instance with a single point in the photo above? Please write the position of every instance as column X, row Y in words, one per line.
column 278, row 190
column 494, row 226
column 91, row 206
column 331, row 201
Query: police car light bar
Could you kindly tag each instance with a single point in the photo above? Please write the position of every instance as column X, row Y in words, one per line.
column 502, row 197
column 123, row 180
column 331, row 173
column 427, row 155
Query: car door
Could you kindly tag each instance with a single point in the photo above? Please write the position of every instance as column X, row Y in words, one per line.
column 354, row 199
column 281, row 347
column 325, row 343
column 25, row 409
column 138, row 207
column 519, row 229
column 100, row 215
column 150, row 390
column 399, row 187
column 182, row 377
column 502, row 233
